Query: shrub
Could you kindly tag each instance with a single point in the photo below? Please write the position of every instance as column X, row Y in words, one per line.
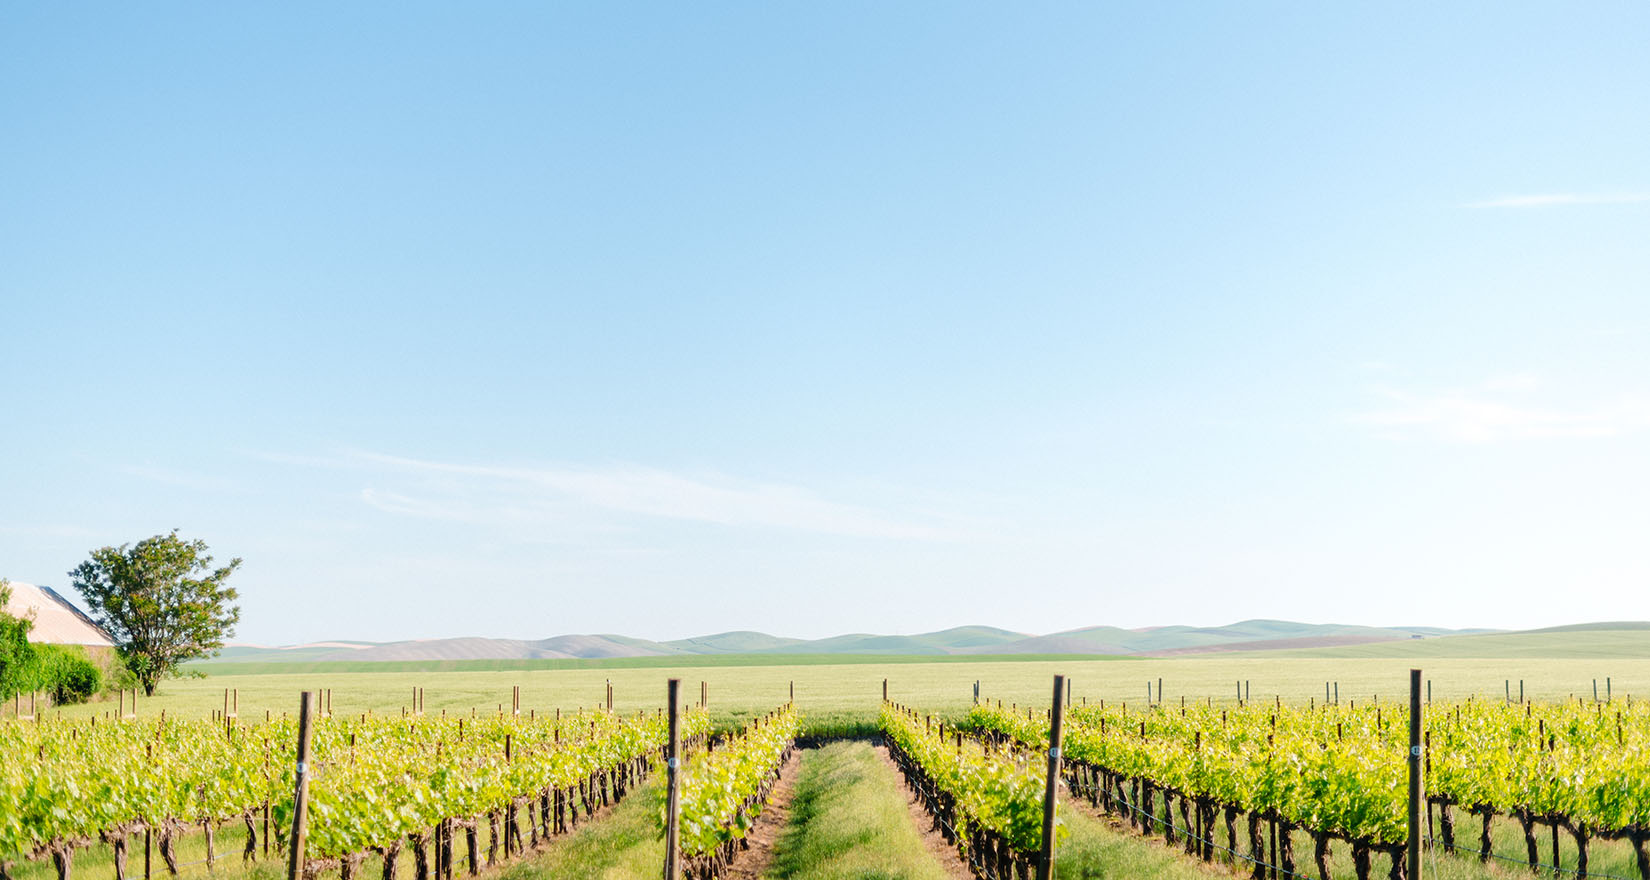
column 68, row 674
column 19, row 660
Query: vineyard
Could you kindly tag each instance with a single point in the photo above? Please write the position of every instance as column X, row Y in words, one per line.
column 1338, row 775
column 1267, row 789
column 383, row 786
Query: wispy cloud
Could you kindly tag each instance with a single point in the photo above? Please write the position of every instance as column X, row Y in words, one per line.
column 178, row 478
column 491, row 493
column 1550, row 199
column 1498, row 410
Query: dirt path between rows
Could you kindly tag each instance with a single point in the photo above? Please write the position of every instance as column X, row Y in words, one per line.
column 927, row 828
column 754, row 862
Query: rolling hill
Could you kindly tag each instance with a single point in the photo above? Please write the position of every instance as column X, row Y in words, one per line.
column 1245, row 636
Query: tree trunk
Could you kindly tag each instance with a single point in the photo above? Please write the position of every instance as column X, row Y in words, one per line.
column 210, row 829
column 1186, row 824
column 1532, row 852
column 1641, row 855
column 168, row 852
column 1446, row 824
column 391, row 856
column 63, row 859
column 1320, row 854
column 1360, row 860
column 1484, row 838
column 118, row 842
column 492, row 838
column 1257, row 846
column 421, row 858
column 1168, row 818
column 250, row 852
column 472, row 848
column 1286, row 848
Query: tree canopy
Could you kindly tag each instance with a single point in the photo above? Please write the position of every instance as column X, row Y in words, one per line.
column 161, row 601
column 19, row 661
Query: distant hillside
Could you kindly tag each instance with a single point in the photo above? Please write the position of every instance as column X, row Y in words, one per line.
column 1624, row 640
column 741, row 642
column 1247, row 636
column 571, row 647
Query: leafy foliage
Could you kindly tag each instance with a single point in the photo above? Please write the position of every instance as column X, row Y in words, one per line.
column 68, row 674
column 718, row 791
column 161, row 600
column 19, row 660
column 997, row 791
column 1343, row 770
column 374, row 779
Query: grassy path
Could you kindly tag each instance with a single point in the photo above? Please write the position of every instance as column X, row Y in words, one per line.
column 621, row 844
column 849, row 820
column 1096, row 849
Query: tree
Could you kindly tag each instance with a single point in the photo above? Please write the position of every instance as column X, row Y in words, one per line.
column 19, row 660
column 162, row 602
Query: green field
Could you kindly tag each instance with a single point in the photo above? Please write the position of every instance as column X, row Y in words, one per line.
column 842, row 696
column 839, row 695
column 1592, row 641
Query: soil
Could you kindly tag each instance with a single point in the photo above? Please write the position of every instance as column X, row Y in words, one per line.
column 943, row 852
column 754, row 862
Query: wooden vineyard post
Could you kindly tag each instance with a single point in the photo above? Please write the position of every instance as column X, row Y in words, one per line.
column 509, row 812
column 300, row 794
column 673, row 782
column 1045, row 861
column 1413, row 815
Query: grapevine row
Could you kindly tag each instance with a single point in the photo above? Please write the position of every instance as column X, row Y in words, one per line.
column 723, row 792
column 1338, row 773
column 989, row 804
column 377, row 785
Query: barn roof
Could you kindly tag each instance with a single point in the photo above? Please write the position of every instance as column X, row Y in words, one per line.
column 56, row 620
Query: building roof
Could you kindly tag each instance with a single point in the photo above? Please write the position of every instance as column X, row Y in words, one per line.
column 56, row 620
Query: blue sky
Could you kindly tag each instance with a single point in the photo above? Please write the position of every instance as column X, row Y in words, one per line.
column 662, row 320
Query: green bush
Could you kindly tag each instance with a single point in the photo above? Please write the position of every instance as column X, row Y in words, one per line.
column 19, row 660
column 68, row 674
